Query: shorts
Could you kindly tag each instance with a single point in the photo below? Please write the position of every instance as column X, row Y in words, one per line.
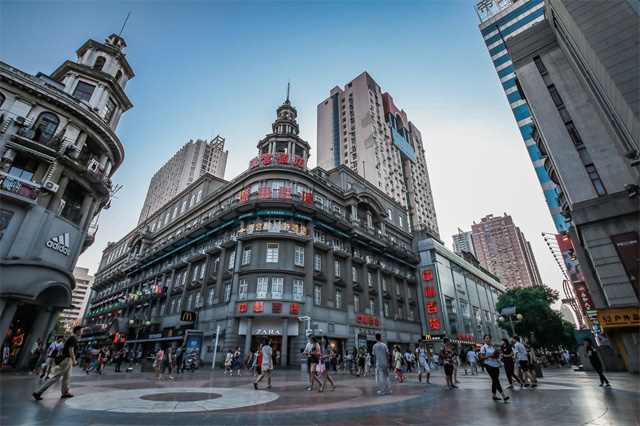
column 423, row 368
column 448, row 369
column 524, row 365
column 258, row 369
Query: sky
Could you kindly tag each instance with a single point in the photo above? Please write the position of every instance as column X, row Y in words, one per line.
column 205, row 68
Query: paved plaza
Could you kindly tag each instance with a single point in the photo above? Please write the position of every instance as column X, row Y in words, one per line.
column 564, row 397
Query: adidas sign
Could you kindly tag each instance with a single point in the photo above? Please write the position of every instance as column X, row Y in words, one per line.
column 60, row 243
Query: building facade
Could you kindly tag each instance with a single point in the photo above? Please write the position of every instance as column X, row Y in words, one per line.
column 499, row 21
column 59, row 151
column 361, row 128
column 277, row 250
column 79, row 297
column 192, row 161
column 463, row 242
column 505, row 252
column 579, row 74
column 459, row 298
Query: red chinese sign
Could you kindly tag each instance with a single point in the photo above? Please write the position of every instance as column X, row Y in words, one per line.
column 253, row 163
column 242, row 307
column 284, row 192
column 366, row 319
column 283, row 159
column 427, row 275
column 258, row 307
column 299, row 161
column 429, row 292
column 432, row 308
column 466, row 337
column 243, row 197
column 264, row 192
column 307, row 197
column 276, row 307
column 266, row 159
column 293, row 308
column 434, row 324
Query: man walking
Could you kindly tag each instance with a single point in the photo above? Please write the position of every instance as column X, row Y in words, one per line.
column 64, row 368
column 381, row 352
column 423, row 362
column 54, row 351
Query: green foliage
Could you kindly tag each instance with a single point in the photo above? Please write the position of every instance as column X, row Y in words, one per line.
column 541, row 325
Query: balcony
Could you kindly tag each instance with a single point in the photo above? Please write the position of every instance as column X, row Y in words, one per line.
column 94, row 167
column 17, row 186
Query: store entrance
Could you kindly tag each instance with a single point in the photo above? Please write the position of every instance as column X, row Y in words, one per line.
column 276, row 346
column 16, row 337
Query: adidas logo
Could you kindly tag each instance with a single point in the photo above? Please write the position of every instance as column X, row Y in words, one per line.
column 60, row 243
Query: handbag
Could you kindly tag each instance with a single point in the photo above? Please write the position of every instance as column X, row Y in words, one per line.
column 58, row 359
column 320, row 368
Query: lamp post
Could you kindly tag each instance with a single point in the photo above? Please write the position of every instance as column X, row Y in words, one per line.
column 141, row 320
column 519, row 318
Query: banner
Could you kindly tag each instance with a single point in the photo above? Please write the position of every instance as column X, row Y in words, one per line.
column 627, row 247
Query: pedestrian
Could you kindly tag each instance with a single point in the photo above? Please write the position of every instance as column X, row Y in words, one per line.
column 316, row 359
column 278, row 357
column 267, row 363
column 446, row 355
column 52, row 352
column 567, row 358
column 397, row 363
column 382, row 359
column 490, row 356
column 346, row 359
column 522, row 363
column 335, row 360
column 423, row 361
column 33, row 359
column 592, row 354
column 157, row 363
column 312, row 362
column 119, row 358
column 63, row 369
column 361, row 361
column 532, row 364
column 237, row 361
column 472, row 357
column 168, row 362
column 464, row 361
column 325, row 349
column 179, row 358
column 508, row 357
column 227, row 362
column 367, row 363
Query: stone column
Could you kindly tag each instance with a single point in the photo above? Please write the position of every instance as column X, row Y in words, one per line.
column 96, row 97
column 284, row 360
column 54, row 204
column 247, row 339
column 38, row 330
column 8, row 311
column 86, row 211
column 70, row 83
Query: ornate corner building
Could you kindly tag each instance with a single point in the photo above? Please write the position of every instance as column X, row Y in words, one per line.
column 59, row 151
column 254, row 254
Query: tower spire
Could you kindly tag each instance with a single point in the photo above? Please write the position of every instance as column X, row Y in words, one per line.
column 288, row 91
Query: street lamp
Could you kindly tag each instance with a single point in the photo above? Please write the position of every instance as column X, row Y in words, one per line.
column 140, row 320
column 519, row 318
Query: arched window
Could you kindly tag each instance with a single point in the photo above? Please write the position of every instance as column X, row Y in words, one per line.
column 118, row 75
column 2, row 99
column 99, row 63
column 46, row 126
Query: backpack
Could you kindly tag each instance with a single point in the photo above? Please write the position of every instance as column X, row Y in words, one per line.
column 55, row 351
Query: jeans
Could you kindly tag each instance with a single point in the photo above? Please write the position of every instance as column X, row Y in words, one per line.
column 383, row 377
column 63, row 370
column 494, row 372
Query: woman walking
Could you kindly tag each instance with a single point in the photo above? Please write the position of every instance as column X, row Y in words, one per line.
column 398, row 363
column 158, row 362
column 595, row 361
column 325, row 349
column 490, row 355
column 316, row 358
column 267, row 363
column 508, row 357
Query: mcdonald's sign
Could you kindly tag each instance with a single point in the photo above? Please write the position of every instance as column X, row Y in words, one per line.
column 188, row 316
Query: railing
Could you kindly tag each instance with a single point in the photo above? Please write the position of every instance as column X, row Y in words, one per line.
column 37, row 135
column 94, row 167
column 18, row 186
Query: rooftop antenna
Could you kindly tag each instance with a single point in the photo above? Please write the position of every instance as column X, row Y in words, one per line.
column 288, row 89
column 123, row 25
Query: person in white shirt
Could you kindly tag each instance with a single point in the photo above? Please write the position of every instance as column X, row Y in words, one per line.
column 54, row 350
column 267, row 363
column 381, row 352
column 490, row 356
column 522, row 363
column 472, row 357
column 423, row 361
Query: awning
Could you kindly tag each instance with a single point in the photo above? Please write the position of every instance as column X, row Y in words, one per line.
column 159, row 339
column 118, row 325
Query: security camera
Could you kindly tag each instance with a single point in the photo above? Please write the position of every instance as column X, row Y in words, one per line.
column 632, row 190
column 632, row 155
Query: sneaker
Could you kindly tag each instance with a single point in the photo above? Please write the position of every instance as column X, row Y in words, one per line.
column 380, row 392
column 171, row 377
column 387, row 392
column 255, row 385
column 608, row 385
column 454, row 387
column 601, row 385
column 67, row 396
column 535, row 385
column 37, row 396
column 87, row 372
column 46, row 378
column 269, row 387
column 510, row 387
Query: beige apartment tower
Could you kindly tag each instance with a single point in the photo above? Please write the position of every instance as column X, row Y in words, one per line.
column 79, row 297
column 360, row 127
column 192, row 161
column 505, row 252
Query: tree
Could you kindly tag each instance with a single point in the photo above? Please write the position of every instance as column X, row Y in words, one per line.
column 543, row 326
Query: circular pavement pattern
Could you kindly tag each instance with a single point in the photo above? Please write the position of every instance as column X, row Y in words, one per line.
column 170, row 400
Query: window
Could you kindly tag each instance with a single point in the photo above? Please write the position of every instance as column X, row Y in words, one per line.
column 277, row 285
column 242, row 289
column 298, row 289
column 372, row 306
column 298, row 259
column 398, row 290
column 184, row 206
column 166, row 219
column 384, row 284
column 261, row 290
column 172, row 306
column 246, row 255
column 557, row 100
column 175, row 213
column 232, row 260
column 317, row 295
column 370, row 279
column 2, row 99
column 189, row 301
column 99, row 63
column 386, row 309
column 317, row 262
column 540, row 65
column 400, row 313
column 202, row 270
column 318, row 236
column 108, row 110
column 338, row 299
column 46, row 127
column 400, row 221
column 212, row 291
column 83, row 91
column 595, row 179
column 272, row 252
column 193, row 200
column 23, row 167
column 184, row 277
column 356, row 303
column 227, row 292
column 354, row 274
column 336, row 268
column 573, row 132
column 410, row 314
column 199, row 197
column 198, row 301
column 194, row 274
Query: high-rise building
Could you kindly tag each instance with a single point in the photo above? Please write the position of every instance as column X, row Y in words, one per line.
column 79, row 297
column 505, row 252
column 463, row 242
column 499, row 21
column 361, row 128
column 58, row 150
column 578, row 72
column 192, row 161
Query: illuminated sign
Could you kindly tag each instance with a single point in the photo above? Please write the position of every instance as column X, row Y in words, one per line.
column 281, row 159
column 293, row 308
column 369, row 320
column 276, row 307
column 258, row 307
column 429, row 291
column 434, row 323
column 294, row 228
column 427, row 275
column 188, row 316
column 432, row 308
column 242, row 307
column 466, row 337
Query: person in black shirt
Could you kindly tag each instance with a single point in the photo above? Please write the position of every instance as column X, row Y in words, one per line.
column 595, row 361
column 64, row 368
column 508, row 359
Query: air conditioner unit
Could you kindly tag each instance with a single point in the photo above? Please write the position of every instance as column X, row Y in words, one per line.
column 50, row 186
